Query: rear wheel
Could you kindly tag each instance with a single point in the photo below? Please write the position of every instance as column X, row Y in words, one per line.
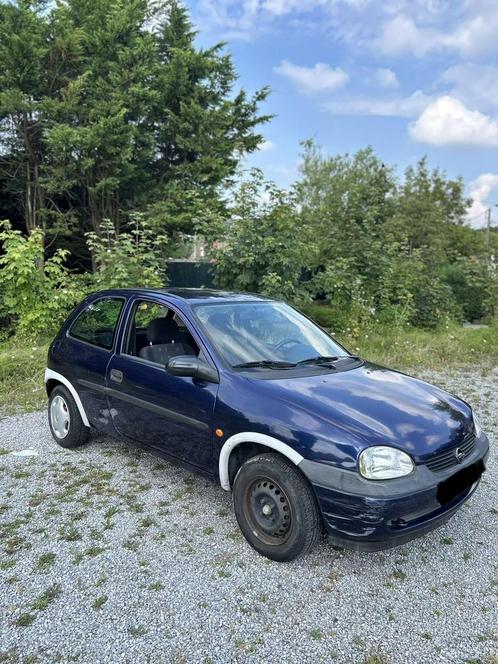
column 276, row 508
column 66, row 425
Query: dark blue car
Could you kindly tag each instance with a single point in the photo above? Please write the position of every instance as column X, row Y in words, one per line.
column 253, row 393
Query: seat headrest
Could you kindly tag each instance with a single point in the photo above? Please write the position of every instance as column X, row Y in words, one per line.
column 161, row 330
column 220, row 321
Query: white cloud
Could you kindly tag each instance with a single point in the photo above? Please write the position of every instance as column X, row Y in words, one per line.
column 404, row 107
column 400, row 35
column 479, row 191
column 386, row 78
column 475, row 85
column 320, row 78
column 447, row 121
column 474, row 35
column 266, row 146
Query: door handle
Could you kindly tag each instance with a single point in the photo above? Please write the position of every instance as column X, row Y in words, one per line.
column 116, row 375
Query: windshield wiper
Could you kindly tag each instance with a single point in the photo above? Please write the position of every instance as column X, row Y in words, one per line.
column 319, row 359
column 327, row 359
column 269, row 364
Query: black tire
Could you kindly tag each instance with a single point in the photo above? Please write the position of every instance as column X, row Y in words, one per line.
column 75, row 433
column 276, row 508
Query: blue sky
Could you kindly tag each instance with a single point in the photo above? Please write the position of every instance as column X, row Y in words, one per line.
column 410, row 78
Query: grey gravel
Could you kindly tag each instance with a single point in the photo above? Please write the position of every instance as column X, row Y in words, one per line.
column 143, row 562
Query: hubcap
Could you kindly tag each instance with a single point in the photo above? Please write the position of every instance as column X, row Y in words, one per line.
column 59, row 417
column 268, row 511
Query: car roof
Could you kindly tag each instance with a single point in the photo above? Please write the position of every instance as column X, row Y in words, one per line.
column 191, row 295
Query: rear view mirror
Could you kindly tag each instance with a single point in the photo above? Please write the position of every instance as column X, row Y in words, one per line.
column 191, row 366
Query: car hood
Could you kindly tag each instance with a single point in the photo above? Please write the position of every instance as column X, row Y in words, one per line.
column 370, row 405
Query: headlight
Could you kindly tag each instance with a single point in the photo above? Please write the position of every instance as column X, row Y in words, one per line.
column 477, row 426
column 384, row 463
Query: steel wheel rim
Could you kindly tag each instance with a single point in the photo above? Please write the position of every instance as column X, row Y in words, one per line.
column 268, row 511
column 59, row 417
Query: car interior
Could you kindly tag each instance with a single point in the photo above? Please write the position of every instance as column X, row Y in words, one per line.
column 157, row 334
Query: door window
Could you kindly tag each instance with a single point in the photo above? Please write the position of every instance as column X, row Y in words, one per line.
column 157, row 333
column 98, row 322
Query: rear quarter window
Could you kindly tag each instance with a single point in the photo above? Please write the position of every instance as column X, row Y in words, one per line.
column 97, row 323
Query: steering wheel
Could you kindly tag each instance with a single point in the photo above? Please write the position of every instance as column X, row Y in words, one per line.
column 286, row 342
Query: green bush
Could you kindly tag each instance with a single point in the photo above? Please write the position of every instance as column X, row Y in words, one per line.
column 474, row 286
column 128, row 259
column 264, row 247
column 36, row 292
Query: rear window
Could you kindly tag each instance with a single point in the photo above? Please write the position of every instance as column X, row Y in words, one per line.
column 97, row 322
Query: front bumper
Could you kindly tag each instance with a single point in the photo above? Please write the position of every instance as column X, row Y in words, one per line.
column 368, row 515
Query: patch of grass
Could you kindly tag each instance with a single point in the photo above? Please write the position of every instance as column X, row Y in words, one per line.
column 492, row 658
column 316, row 634
column 223, row 512
column 3, row 451
column 99, row 602
column 137, row 630
column 20, row 474
column 208, row 530
column 70, row 534
column 156, row 585
column 47, row 596
column 15, row 544
column 21, row 376
column 45, row 562
column 25, row 620
column 446, row 540
column 7, row 564
column 37, row 498
column 131, row 545
column 93, row 551
column 375, row 656
column 399, row 575
column 451, row 345
column 235, row 535
column 147, row 522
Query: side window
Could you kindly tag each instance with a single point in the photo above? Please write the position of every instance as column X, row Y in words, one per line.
column 156, row 333
column 97, row 323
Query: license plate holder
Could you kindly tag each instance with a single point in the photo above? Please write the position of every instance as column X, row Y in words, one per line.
column 459, row 482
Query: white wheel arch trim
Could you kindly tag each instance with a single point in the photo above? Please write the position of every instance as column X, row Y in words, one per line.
column 53, row 375
column 251, row 437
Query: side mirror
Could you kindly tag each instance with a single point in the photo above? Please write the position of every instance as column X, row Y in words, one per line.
column 191, row 366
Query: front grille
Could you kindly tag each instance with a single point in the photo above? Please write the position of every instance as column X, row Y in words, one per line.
column 446, row 459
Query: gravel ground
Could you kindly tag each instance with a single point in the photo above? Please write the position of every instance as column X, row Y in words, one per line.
column 109, row 554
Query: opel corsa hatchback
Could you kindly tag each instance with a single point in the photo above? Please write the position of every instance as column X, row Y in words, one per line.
column 307, row 436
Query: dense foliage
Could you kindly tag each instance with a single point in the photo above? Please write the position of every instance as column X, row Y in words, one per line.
column 372, row 248
column 37, row 292
column 108, row 107
column 120, row 139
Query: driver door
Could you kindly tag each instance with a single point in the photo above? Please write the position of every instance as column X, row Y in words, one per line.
column 173, row 414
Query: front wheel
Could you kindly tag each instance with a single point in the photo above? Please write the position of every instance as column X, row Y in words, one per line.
column 276, row 508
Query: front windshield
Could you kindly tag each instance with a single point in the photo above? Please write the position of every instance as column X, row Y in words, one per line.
column 252, row 332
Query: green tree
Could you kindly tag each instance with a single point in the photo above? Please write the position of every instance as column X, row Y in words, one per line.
column 263, row 247
column 201, row 126
column 23, row 93
column 107, row 108
column 429, row 211
column 346, row 200
column 96, row 138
